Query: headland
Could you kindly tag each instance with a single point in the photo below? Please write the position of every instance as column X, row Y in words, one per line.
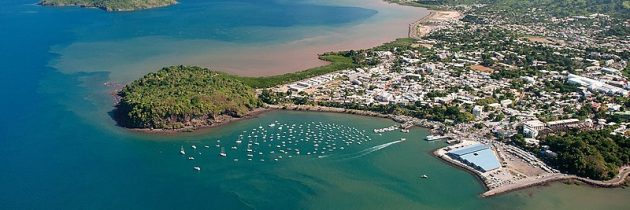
column 109, row 5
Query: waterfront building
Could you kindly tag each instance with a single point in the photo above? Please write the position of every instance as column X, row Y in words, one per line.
column 479, row 156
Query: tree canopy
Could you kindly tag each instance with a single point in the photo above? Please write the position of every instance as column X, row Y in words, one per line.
column 175, row 96
column 593, row 154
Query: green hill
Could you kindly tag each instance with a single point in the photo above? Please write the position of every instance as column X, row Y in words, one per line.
column 181, row 96
column 111, row 5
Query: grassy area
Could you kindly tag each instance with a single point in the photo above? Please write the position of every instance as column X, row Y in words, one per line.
column 337, row 62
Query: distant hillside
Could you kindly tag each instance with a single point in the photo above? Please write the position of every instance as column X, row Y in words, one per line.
column 619, row 8
column 111, row 5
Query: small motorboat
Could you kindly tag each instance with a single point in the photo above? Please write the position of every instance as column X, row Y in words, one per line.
column 223, row 154
column 197, row 168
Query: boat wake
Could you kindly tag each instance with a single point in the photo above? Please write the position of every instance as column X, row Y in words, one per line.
column 371, row 150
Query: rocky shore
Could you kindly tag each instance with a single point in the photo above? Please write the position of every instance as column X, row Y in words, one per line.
column 219, row 121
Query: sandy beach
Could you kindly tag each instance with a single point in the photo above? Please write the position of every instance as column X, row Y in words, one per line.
column 427, row 24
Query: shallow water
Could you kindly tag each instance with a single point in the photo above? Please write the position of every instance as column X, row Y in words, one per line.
column 60, row 150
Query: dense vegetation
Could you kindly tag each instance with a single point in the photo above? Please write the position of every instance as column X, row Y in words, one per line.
column 593, row 154
column 179, row 96
column 111, row 5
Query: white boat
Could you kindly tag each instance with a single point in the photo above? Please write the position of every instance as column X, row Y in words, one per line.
column 223, row 154
column 272, row 125
column 435, row 138
column 181, row 151
column 238, row 141
column 197, row 168
column 403, row 139
column 424, row 176
column 194, row 147
column 191, row 158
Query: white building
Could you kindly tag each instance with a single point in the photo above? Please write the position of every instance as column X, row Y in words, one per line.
column 477, row 111
column 384, row 97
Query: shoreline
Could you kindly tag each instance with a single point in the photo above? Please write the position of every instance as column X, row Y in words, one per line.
column 620, row 180
column 299, row 49
column 416, row 30
column 424, row 26
column 104, row 8
column 271, row 108
column 192, row 129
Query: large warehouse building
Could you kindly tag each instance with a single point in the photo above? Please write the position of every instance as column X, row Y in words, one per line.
column 478, row 156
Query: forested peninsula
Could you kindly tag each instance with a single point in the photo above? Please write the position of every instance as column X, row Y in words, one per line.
column 178, row 97
column 111, row 5
column 189, row 97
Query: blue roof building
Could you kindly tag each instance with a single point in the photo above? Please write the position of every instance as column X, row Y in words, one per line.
column 478, row 156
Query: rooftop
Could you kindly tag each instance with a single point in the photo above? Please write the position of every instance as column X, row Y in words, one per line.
column 479, row 156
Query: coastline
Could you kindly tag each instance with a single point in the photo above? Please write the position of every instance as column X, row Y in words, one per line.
column 225, row 121
column 424, row 26
column 620, row 180
column 270, row 108
column 418, row 29
column 108, row 9
column 295, row 49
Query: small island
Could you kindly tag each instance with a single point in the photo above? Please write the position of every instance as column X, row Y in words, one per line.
column 111, row 5
column 180, row 97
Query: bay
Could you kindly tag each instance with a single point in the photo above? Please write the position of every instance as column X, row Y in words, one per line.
column 59, row 149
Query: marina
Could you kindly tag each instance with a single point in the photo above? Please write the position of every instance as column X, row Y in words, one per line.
column 277, row 141
column 62, row 150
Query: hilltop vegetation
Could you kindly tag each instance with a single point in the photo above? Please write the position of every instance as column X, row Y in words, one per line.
column 111, row 5
column 593, row 154
column 553, row 7
column 181, row 96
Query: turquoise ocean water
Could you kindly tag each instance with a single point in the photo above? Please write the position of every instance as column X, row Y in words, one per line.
column 60, row 150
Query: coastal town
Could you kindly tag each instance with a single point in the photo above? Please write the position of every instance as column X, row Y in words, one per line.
column 496, row 90
column 315, row 104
